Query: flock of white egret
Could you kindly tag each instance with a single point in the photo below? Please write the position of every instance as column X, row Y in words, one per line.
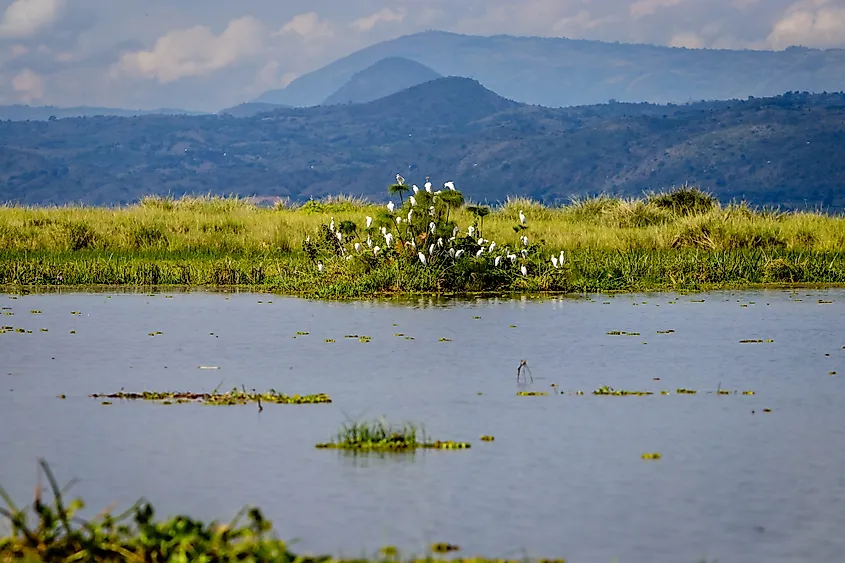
column 443, row 249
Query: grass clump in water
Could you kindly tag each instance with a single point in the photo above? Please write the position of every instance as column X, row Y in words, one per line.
column 379, row 435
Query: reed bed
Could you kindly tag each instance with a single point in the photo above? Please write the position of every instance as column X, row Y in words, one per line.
column 677, row 240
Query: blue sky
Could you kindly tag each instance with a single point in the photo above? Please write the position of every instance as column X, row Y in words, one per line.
column 208, row 54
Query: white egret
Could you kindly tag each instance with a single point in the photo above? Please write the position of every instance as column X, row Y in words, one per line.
column 375, row 251
column 369, row 242
column 413, row 200
column 471, row 230
column 319, row 266
column 410, row 214
column 384, row 230
column 369, row 221
column 432, row 227
column 431, row 249
column 331, row 226
column 455, row 232
column 431, row 211
column 388, row 239
column 524, row 270
column 521, row 217
column 400, row 180
column 479, row 253
column 452, row 252
column 358, row 247
column 560, row 258
column 422, row 258
column 492, row 245
column 524, row 253
column 390, row 207
column 449, row 185
column 512, row 258
column 415, row 188
column 440, row 242
column 428, row 186
column 497, row 261
column 458, row 253
column 525, row 240
column 399, row 220
column 340, row 236
column 451, row 239
column 554, row 261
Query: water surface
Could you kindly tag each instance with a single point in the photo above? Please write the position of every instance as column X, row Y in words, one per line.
column 564, row 477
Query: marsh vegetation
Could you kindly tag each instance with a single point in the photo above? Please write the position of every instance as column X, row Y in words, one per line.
column 423, row 241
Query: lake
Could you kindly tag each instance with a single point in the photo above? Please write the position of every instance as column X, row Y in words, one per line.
column 564, row 476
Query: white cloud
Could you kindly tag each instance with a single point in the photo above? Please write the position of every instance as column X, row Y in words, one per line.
column 814, row 23
column 195, row 51
column 29, row 85
column 642, row 8
column 25, row 18
column 367, row 23
column 309, row 26
column 687, row 39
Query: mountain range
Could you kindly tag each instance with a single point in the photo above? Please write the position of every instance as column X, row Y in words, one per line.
column 786, row 150
column 558, row 72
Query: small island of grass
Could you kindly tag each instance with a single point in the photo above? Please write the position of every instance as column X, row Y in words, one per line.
column 380, row 436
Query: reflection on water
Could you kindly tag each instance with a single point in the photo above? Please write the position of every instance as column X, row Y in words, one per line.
column 564, row 476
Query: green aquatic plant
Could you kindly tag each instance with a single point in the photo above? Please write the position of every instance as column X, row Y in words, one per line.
column 379, row 435
column 233, row 397
column 651, row 455
column 608, row 390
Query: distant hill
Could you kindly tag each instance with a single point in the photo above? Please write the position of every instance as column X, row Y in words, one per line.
column 558, row 72
column 19, row 112
column 787, row 150
column 250, row 108
column 381, row 79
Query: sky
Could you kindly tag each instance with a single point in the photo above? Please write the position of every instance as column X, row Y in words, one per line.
column 209, row 54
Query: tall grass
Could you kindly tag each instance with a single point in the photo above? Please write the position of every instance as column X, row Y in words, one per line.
column 681, row 239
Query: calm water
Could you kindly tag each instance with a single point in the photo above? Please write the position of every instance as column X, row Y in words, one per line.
column 564, row 477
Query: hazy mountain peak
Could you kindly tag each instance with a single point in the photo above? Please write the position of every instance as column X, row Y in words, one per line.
column 383, row 78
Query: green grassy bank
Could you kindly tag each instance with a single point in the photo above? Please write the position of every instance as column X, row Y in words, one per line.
column 343, row 247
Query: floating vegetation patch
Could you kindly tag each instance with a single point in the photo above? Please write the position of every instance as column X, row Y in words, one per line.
column 379, row 435
column 623, row 333
column 233, row 397
column 445, row 339
column 442, row 547
column 35, row 312
column 755, row 341
column 607, row 390
column 670, row 331
column 487, row 438
column 301, row 333
column 767, row 410
column 651, row 455
column 365, row 339
column 532, row 393
column 683, row 391
column 822, row 301
column 329, row 340
column 748, row 392
column 696, row 300
column 398, row 334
